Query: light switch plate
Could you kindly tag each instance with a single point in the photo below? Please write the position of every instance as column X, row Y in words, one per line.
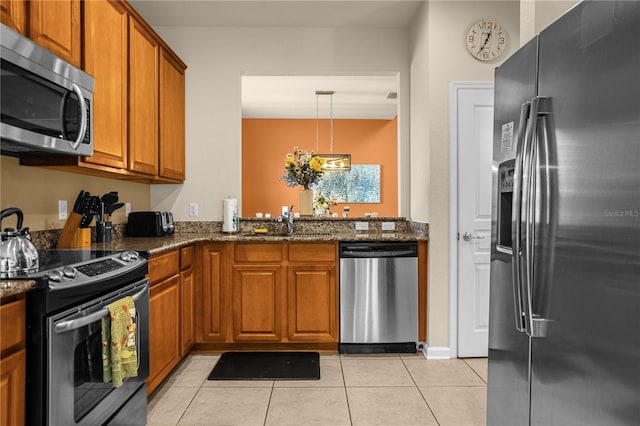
column 62, row 209
column 362, row 226
column 193, row 209
column 127, row 209
column 388, row 226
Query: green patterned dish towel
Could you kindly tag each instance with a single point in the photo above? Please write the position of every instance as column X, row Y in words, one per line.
column 119, row 355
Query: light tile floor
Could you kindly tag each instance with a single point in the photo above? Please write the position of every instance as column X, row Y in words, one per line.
column 353, row 390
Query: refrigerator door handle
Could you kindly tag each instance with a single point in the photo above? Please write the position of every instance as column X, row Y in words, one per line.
column 538, row 215
column 525, row 241
column 516, row 221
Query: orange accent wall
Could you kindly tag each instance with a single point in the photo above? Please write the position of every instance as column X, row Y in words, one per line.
column 266, row 142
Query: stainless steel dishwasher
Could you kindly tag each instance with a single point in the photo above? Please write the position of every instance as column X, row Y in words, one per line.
column 378, row 296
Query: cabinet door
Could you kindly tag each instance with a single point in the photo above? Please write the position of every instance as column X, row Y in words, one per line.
column 211, row 325
column 187, row 303
column 55, row 25
column 258, row 301
column 172, row 161
column 164, row 330
column 13, row 14
column 312, row 306
column 12, row 389
column 143, row 99
column 105, row 58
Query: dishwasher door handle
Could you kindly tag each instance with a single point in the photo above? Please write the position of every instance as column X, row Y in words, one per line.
column 394, row 253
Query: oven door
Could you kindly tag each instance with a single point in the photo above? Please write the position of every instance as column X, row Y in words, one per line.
column 76, row 393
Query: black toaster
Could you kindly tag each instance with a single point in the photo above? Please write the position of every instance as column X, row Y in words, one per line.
column 150, row 224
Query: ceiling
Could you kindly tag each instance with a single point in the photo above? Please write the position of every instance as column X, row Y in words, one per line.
column 363, row 97
column 294, row 96
column 267, row 13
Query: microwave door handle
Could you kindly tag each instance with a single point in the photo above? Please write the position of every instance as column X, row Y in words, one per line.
column 83, row 116
column 74, row 324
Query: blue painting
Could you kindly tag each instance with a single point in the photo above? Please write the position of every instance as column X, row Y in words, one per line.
column 359, row 185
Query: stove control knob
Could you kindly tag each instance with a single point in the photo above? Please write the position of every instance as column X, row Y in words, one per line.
column 69, row 271
column 133, row 254
column 55, row 275
column 125, row 255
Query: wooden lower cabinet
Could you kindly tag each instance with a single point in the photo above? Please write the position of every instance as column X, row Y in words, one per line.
column 164, row 330
column 12, row 389
column 187, row 302
column 312, row 303
column 211, row 311
column 257, row 303
column 12, row 363
column 276, row 294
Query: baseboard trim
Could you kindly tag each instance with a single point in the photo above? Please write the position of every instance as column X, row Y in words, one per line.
column 438, row 352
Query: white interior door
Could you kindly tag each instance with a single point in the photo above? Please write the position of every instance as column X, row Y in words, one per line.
column 475, row 142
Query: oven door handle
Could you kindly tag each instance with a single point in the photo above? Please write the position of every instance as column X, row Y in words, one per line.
column 74, row 324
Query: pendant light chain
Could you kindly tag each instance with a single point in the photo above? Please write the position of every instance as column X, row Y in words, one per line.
column 317, row 97
column 331, row 126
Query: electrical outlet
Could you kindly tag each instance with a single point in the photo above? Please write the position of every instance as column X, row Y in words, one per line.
column 388, row 226
column 62, row 209
column 362, row 226
column 127, row 209
column 193, row 209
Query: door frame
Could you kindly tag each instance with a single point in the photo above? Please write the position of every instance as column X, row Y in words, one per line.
column 454, row 88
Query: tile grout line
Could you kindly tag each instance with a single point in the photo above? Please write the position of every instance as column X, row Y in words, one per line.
column 266, row 413
column 418, row 388
column 474, row 370
column 344, row 386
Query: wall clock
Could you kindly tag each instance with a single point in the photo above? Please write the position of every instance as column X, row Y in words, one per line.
column 486, row 40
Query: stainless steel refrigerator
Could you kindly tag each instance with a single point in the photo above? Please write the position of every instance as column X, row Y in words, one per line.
column 564, row 332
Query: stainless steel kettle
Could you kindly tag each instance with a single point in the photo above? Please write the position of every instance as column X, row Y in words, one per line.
column 17, row 252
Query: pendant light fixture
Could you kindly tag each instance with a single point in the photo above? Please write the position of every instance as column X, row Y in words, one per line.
column 331, row 162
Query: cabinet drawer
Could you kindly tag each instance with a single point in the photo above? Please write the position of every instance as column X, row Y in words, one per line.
column 164, row 266
column 12, row 325
column 186, row 257
column 316, row 252
column 258, row 252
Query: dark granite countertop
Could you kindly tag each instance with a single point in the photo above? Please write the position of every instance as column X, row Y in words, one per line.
column 157, row 245
column 15, row 287
column 187, row 233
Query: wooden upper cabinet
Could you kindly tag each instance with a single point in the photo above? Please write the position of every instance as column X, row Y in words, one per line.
column 172, row 121
column 105, row 58
column 56, row 26
column 13, row 14
column 143, row 99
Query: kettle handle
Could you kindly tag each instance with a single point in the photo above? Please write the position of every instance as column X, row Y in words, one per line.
column 10, row 211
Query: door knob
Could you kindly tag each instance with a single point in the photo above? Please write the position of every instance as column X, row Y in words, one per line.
column 467, row 236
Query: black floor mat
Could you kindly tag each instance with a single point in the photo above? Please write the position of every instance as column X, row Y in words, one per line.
column 267, row 366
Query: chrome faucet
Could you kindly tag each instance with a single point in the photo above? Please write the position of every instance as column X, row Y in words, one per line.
column 287, row 217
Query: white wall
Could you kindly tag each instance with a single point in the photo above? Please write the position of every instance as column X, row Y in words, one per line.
column 217, row 57
column 439, row 57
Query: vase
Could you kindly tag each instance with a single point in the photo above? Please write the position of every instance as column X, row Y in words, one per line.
column 306, row 202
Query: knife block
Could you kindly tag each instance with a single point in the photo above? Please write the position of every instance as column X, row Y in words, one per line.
column 72, row 236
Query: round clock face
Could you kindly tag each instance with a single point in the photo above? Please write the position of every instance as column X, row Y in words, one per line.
column 486, row 40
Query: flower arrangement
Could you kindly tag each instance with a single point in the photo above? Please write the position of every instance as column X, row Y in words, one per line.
column 322, row 205
column 302, row 168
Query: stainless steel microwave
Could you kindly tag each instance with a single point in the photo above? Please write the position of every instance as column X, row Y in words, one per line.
column 46, row 104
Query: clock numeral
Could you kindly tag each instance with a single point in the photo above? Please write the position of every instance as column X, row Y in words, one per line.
column 501, row 40
column 470, row 39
